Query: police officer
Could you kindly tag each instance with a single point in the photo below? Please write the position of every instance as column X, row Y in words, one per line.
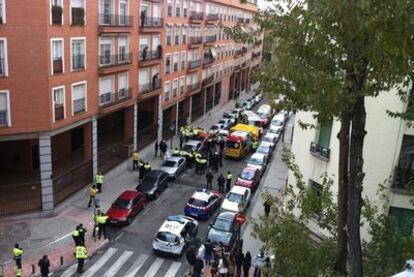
column 190, row 159
column 220, row 183
column 209, row 177
column 99, row 179
column 75, row 236
column 176, row 152
column 102, row 219
column 96, row 225
column 135, row 160
column 82, row 232
column 81, row 253
column 92, row 195
column 215, row 163
column 198, row 164
column 228, row 181
column 147, row 168
column 141, row 169
column 17, row 254
column 203, row 165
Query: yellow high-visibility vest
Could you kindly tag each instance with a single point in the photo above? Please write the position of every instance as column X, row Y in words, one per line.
column 81, row 252
column 17, row 252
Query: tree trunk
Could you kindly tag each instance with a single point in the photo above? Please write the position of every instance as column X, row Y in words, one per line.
column 342, row 251
column 356, row 177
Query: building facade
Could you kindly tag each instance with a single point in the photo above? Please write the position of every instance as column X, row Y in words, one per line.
column 84, row 83
column 388, row 158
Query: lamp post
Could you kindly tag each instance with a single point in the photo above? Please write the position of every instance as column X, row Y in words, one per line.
column 172, row 129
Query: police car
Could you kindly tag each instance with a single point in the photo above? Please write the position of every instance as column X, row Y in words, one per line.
column 175, row 234
column 203, row 203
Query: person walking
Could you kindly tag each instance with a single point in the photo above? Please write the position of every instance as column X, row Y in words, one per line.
column 239, row 259
column 163, row 148
column 82, row 233
column 99, row 179
column 266, row 205
column 135, row 160
column 209, row 177
column 141, row 169
column 92, row 195
column 208, row 248
column 102, row 219
column 181, row 140
column 220, row 183
column 203, row 162
column 95, row 231
column 229, row 177
column 156, row 148
column 247, row 262
column 44, row 265
column 17, row 254
column 81, row 253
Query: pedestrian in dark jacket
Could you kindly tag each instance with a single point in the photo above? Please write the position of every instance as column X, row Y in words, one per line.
column 207, row 252
column 209, row 177
column 156, row 148
column 141, row 169
column 198, row 267
column 44, row 265
column 239, row 258
column 266, row 205
column 220, row 182
column 247, row 262
column 82, row 232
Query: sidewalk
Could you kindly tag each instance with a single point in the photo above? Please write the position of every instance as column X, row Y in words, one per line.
column 52, row 235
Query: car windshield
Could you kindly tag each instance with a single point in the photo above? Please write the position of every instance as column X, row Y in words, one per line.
column 169, row 164
column 188, row 148
column 277, row 122
column 197, row 202
column 232, row 144
column 247, row 175
column 222, row 224
column 255, row 161
column 222, row 122
column 235, row 197
column 218, row 236
column 122, row 204
column 263, row 116
column 214, row 127
column 168, row 237
column 263, row 149
column 148, row 183
column 268, row 139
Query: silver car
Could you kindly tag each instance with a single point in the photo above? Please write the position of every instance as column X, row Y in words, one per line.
column 266, row 149
column 173, row 166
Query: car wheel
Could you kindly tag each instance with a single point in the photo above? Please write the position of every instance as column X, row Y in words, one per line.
column 129, row 220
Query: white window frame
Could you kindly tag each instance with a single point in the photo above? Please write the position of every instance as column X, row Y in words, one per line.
column 53, row 102
column 70, row 11
column 127, row 82
column 175, row 81
column 84, row 51
column 171, row 63
column 127, row 51
column 50, row 12
column 113, row 53
column 176, row 54
column 6, row 59
column 86, row 94
column 113, row 92
column 3, row 11
column 183, row 54
column 127, row 14
column 9, row 119
column 181, row 82
column 167, row 83
column 51, row 54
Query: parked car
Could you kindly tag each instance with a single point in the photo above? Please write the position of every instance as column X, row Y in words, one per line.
column 247, row 105
column 277, row 124
column 174, row 166
column 203, row 203
column 154, row 183
column 215, row 128
column 249, row 178
column 275, row 129
column 222, row 134
column 265, row 149
column 126, row 207
column 231, row 117
column 271, row 138
column 258, row 161
column 192, row 145
column 258, row 97
column 224, row 229
column 226, row 123
column 237, row 199
column 175, row 235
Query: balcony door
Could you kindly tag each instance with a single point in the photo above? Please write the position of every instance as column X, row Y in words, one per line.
column 156, row 40
column 106, row 48
column 156, row 11
column 143, row 80
column 123, row 12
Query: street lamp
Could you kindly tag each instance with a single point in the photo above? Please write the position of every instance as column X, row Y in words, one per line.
column 172, row 129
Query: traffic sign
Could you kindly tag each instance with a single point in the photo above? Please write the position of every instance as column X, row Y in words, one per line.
column 240, row 218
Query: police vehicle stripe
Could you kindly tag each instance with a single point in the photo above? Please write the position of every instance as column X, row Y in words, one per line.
column 156, row 265
column 108, row 254
column 118, row 264
column 137, row 265
column 172, row 271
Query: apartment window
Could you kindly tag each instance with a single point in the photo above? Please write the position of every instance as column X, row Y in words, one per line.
column 123, row 51
column 177, row 35
column 106, row 90
column 320, row 148
column 77, row 12
column 169, row 8
column 78, row 54
column 58, row 103
column 175, row 61
column 123, row 87
column 185, row 10
column 57, row 56
column 315, row 189
column 169, row 35
column 404, row 219
column 184, row 37
column 182, row 84
column 56, row 10
column 106, row 49
column 183, row 60
column 123, row 13
column 167, row 90
column 79, row 98
column 5, row 120
column 167, row 63
column 3, row 57
column 143, row 81
column 106, row 12
column 175, row 87
column 2, row 11
column 177, row 8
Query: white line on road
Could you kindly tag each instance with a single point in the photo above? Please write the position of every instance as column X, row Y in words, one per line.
column 59, row 239
column 172, row 271
column 156, row 265
column 118, row 264
column 120, row 235
column 136, row 266
column 108, row 254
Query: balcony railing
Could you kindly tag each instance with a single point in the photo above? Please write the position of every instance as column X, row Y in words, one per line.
column 57, row 66
column 111, row 98
column 149, row 87
column 194, row 64
column 57, row 12
column 149, row 56
column 78, row 62
column 193, row 87
column 212, row 17
column 196, row 15
column 79, row 105
column 319, row 151
column 195, row 40
column 115, row 60
column 3, row 118
column 207, row 61
column 78, row 16
column 151, row 22
column 207, row 80
column 59, row 112
column 403, row 179
column 240, row 52
column 115, row 20
column 185, row 12
column 211, row 38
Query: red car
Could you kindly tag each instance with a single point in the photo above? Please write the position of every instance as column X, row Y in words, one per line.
column 249, row 178
column 126, row 206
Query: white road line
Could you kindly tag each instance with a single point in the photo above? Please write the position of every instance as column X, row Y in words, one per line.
column 118, row 264
column 137, row 265
column 156, row 265
column 172, row 271
column 108, row 254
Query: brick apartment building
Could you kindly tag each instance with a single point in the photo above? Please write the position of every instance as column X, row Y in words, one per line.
column 84, row 82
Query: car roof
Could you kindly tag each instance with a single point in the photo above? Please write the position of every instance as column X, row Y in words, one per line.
column 155, row 172
column 258, row 156
column 202, row 194
column 129, row 194
column 192, row 142
column 227, row 215
column 175, row 159
column 250, row 168
column 174, row 224
column 239, row 189
column 279, row 117
column 265, row 144
column 270, row 135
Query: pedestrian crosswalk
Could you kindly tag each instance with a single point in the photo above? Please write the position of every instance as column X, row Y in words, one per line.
column 116, row 262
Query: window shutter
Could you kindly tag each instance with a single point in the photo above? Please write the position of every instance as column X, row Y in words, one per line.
column 78, row 92
column 3, row 102
column 77, row 3
column 122, row 81
column 105, row 86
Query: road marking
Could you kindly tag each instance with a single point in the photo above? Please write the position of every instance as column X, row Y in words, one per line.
column 172, row 271
column 108, row 254
column 118, row 264
column 71, row 270
column 120, row 235
column 136, row 266
column 59, row 239
column 156, row 265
